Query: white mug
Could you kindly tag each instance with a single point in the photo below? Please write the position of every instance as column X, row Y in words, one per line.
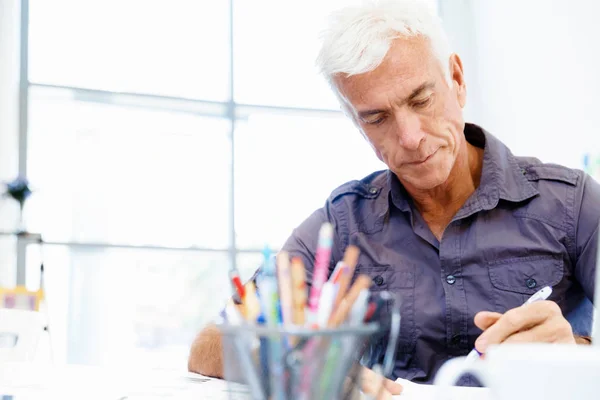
column 531, row 371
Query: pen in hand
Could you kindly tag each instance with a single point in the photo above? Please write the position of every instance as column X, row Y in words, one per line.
column 540, row 295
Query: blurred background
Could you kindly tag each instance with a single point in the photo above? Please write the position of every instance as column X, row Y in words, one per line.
column 167, row 140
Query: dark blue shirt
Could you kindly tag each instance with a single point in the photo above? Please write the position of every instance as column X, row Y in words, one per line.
column 527, row 225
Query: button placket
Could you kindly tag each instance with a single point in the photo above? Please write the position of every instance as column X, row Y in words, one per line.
column 456, row 302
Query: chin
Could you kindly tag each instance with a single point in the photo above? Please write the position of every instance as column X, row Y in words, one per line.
column 426, row 180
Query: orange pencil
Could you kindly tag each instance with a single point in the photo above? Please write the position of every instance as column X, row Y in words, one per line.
column 251, row 303
column 345, row 273
column 343, row 310
column 299, row 295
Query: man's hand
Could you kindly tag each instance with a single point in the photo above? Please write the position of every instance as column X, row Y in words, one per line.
column 541, row 321
column 372, row 385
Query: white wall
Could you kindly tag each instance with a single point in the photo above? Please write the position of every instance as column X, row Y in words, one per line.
column 537, row 83
column 457, row 17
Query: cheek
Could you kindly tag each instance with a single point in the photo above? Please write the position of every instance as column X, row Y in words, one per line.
column 448, row 122
column 376, row 138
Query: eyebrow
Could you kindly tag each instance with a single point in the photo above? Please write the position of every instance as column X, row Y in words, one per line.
column 415, row 93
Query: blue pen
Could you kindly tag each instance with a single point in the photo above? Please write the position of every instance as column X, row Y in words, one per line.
column 264, row 357
column 269, row 296
column 540, row 295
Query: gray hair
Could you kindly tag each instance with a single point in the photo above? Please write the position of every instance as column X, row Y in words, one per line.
column 359, row 37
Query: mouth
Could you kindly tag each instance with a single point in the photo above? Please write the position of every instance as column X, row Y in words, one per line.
column 423, row 161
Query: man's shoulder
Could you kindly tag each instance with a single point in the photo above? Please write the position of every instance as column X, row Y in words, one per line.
column 369, row 187
column 538, row 171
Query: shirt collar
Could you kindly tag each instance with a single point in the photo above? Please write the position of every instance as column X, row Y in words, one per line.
column 501, row 177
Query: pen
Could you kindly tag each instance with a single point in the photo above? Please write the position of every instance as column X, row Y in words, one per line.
column 359, row 309
column 376, row 306
column 269, row 296
column 267, row 286
column 322, row 259
column 326, row 303
column 236, row 285
column 540, row 295
column 263, row 354
column 285, row 286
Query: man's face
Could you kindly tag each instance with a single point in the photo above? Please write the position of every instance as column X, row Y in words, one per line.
column 408, row 113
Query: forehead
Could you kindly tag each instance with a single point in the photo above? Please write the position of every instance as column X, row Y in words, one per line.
column 408, row 63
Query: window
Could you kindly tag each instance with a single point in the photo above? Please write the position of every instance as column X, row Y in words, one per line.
column 128, row 175
column 157, row 162
column 177, row 48
column 275, row 57
column 129, row 306
column 287, row 166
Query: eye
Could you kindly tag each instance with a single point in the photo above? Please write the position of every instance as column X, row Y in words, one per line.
column 422, row 103
column 377, row 121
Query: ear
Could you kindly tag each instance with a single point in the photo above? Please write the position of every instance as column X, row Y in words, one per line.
column 458, row 79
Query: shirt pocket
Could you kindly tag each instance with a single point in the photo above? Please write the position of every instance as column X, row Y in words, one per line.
column 514, row 280
column 398, row 281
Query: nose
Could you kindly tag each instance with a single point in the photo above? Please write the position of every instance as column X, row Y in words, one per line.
column 408, row 130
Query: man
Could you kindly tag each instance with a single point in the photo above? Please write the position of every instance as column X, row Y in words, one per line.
column 460, row 227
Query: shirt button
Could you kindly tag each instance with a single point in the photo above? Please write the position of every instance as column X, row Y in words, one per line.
column 450, row 279
column 373, row 190
column 378, row 280
column 531, row 283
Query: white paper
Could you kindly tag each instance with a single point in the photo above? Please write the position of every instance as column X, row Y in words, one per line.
column 429, row 392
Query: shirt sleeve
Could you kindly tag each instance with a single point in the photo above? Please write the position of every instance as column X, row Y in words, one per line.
column 587, row 236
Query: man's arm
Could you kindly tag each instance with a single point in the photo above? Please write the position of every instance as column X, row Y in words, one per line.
column 206, row 354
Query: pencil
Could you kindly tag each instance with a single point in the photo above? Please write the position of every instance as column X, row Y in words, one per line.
column 343, row 310
column 251, row 303
column 299, row 295
column 346, row 272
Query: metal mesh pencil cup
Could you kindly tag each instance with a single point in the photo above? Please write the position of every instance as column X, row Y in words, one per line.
column 280, row 363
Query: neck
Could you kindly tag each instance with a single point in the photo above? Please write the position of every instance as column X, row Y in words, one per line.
column 449, row 197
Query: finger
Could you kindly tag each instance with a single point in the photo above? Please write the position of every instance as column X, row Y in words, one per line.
column 556, row 330
column 516, row 320
column 392, row 387
column 373, row 383
column 370, row 381
column 484, row 319
column 384, row 395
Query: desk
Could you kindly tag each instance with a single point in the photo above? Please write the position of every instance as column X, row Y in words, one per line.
column 43, row 382
column 39, row 381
